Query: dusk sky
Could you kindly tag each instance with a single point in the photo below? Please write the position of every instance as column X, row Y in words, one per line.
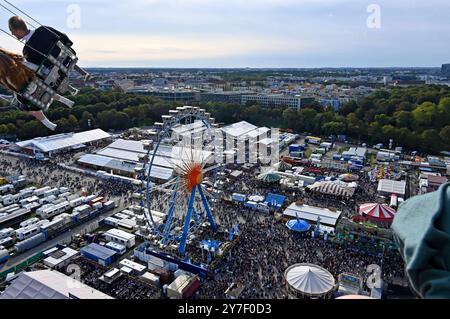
column 248, row 33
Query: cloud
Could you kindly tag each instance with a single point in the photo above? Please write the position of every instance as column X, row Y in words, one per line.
column 250, row 32
column 109, row 48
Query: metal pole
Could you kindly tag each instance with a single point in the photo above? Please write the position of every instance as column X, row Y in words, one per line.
column 187, row 222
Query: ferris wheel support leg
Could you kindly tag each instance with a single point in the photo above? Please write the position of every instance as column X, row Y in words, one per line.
column 168, row 224
column 208, row 211
column 186, row 223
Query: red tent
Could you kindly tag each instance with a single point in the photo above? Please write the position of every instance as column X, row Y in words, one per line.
column 377, row 211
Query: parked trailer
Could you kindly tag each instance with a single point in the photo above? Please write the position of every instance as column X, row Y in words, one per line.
column 32, row 206
column 83, row 211
column 47, row 200
column 111, row 221
column 27, row 232
column 50, row 211
column 77, row 202
column 97, row 200
column 109, row 205
column 65, row 195
column 64, row 190
column 41, row 191
column 52, row 226
column 8, row 200
column 28, row 190
column 30, row 243
column 29, row 200
column 29, row 222
column 4, row 256
column 7, row 209
column 6, row 189
column 15, row 214
column 53, row 191
column 7, row 232
column 97, row 206
column 89, row 198
column 7, row 242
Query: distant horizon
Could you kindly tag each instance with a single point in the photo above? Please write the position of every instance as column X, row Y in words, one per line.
column 265, row 68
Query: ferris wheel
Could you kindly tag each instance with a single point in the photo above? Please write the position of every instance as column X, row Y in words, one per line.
column 177, row 208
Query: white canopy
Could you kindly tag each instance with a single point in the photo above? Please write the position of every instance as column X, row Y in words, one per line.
column 256, row 198
column 310, row 280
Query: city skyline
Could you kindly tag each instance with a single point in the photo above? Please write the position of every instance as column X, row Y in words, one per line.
column 254, row 34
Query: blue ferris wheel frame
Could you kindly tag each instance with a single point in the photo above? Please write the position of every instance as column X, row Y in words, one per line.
column 164, row 231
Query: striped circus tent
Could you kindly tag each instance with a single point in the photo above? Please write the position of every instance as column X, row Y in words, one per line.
column 332, row 188
column 377, row 211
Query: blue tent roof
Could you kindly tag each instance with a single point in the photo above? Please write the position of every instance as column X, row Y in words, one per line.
column 299, row 225
column 98, row 251
column 275, row 200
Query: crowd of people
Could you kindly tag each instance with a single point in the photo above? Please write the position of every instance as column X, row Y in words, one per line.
column 262, row 251
column 266, row 248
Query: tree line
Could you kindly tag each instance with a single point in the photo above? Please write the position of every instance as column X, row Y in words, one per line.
column 416, row 117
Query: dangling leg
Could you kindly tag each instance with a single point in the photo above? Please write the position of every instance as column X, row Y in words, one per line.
column 64, row 100
column 73, row 91
column 86, row 76
column 44, row 120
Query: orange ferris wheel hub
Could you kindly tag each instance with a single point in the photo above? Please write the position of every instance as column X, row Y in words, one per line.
column 193, row 176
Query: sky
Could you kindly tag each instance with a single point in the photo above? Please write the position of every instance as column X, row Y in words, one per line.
column 247, row 33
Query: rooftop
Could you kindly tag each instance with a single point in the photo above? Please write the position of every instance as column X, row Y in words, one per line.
column 63, row 141
column 47, row 284
column 392, row 187
column 120, row 234
column 98, row 251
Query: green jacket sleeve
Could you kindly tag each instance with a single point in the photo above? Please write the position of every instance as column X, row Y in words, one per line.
column 422, row 231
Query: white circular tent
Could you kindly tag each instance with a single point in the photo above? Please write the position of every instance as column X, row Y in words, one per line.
column 310, row 281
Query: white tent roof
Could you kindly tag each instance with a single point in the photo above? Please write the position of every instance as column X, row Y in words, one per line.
column 63, row 141
column 128, row 145
column 311, row 214
column 47, row 284
column 310, row 279
column 239, row 129
column 392, row 187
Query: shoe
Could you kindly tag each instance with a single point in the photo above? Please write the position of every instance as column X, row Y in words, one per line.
column 85, row 78
column 74, row 92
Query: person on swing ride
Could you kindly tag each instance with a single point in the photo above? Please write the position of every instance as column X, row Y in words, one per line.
column 40, row 41
column 38, row 45
column 14, row 76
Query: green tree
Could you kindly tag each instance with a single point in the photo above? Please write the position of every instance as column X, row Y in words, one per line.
column 334, row 128
column 403, row 118
column 445, row 136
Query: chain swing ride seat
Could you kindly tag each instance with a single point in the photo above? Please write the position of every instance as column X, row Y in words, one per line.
column 52, row 78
